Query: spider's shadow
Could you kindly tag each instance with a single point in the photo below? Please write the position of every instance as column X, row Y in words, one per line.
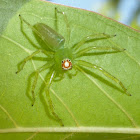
column 96, row 76
column 41, row 93
column 100, row 53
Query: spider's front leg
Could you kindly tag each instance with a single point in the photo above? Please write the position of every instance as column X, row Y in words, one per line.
column 103, row 48
column 49, row 81
column 89, row 65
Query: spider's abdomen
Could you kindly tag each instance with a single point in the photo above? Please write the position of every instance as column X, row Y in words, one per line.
column 51, row 38
column 63, row 59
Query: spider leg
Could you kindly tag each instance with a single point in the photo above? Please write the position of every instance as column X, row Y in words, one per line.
column 33, row 29
column 66, row 21
column 44, row 67
column 93, row 37
column 72, row 74
column 48, row 84
column 59, row 79
column 87, row 64
column 104, row 48
column 30, row 57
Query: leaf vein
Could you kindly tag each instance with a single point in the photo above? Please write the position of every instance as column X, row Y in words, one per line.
column 29, row 52
column 9, row 116
column 110, row 98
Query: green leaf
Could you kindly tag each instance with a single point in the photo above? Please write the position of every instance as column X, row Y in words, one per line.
column 7, row 10
column 90, row 105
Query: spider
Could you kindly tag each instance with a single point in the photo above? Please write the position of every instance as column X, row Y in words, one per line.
column 64, row 58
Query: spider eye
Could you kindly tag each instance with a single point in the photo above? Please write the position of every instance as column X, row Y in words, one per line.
column 62, row 61
column 69, row 60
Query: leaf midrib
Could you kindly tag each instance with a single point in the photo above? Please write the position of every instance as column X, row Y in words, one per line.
column 72, row 129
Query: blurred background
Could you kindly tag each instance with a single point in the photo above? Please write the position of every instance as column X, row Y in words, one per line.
column 124, row 11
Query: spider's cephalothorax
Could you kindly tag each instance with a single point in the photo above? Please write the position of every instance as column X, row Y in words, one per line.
column 64, row 58
column 66, row 64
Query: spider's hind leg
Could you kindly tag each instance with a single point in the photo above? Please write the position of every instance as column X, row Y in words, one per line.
column 23, row 20
column 66, row 21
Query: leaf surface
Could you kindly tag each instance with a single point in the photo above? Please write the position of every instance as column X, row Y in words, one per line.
column 89, row 102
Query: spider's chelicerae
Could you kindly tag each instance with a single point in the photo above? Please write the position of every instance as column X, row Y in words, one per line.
column 64, row 58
